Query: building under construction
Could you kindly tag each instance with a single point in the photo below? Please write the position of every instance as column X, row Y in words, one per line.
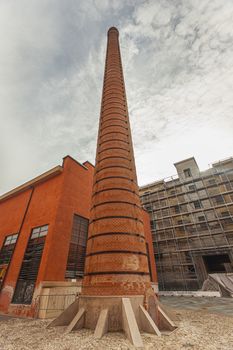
column 192, row 223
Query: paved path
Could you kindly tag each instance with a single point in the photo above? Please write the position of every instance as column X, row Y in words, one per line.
column 4, row 318
column 212, row 305
column 7, row 317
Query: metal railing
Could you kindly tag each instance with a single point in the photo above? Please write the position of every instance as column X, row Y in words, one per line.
column 53, row 303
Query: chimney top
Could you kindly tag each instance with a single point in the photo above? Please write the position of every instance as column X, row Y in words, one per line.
column 113, row 29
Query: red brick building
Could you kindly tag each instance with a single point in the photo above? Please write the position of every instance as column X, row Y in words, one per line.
column 43, row 232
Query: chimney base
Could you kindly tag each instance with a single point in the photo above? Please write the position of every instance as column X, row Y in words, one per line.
column 116, row 313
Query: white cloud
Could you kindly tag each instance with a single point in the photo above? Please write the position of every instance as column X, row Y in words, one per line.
column 183, row 106
column 177, row 57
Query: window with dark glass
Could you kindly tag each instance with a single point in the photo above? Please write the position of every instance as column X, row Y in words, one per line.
column 146, row 193
column 192, row 187
column 77, row 250
column 191, row 268
column 148, row 207
column 6, row 254
column 203, row 224
column 153, row 224
column 227, row 217
column 30, row 266
column 212, row 182
column 7, row 249
column 177, row 209
column 148, row 259
column 187, row 172
column 219, row 199
column 197, row 204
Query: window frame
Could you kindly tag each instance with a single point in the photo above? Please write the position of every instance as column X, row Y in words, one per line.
column 187, row 172
column 197, row 206
column 27, row 278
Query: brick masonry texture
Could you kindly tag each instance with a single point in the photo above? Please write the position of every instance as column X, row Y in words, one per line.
column 116, row 260
column 53, row 202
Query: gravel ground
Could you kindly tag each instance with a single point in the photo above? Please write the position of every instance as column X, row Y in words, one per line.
column 198, row 330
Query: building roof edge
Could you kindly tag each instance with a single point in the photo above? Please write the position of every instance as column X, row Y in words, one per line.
column 87, row 161
column 76, row 161
column 38, row 179
column 185, row 160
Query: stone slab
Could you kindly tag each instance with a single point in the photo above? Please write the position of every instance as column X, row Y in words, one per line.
column 130, row 324
column 146, row 323
column 102, row 324
column 165, row 323
column 77, row 322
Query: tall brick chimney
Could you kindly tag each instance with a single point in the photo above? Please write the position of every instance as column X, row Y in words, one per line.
column 116, row 290
column 116, row 256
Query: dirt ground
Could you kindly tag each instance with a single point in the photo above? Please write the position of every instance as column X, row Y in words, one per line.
column 199, row 329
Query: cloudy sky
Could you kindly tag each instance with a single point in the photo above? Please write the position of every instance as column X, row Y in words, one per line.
column 178, row 65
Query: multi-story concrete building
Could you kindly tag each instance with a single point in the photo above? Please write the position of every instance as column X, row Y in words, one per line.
column 43, row 235
column 192, row 223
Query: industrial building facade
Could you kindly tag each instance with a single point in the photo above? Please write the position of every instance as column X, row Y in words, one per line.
column 43, row 227
column 192, row 223
column 43, row 235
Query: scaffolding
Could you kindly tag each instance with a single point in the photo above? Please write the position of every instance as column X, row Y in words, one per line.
column 191, row 220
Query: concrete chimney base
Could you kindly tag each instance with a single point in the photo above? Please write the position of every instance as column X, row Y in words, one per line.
column 116, row 313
